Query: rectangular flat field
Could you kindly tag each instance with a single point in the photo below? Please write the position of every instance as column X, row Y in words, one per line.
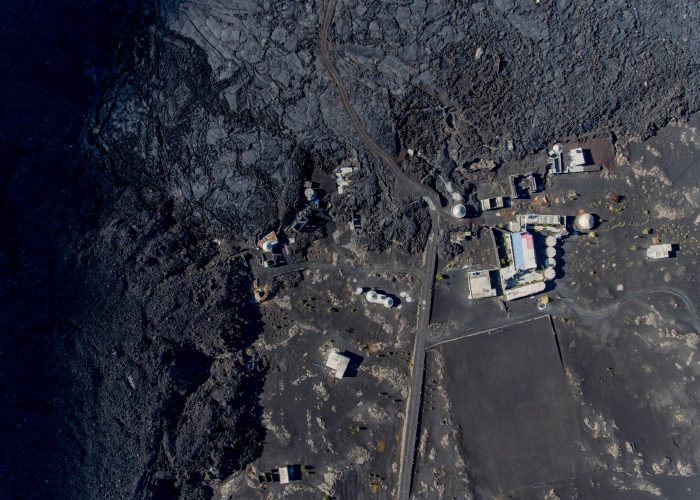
column 511, row 401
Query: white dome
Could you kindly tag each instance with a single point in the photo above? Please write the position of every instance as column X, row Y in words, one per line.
column 549, row 274
column 585, row 222
column 557, row 148
column 359, row 290
column 268, row 246
column 459, row 211
column 371, row 296
column 550, row 241
column 309, row 193
column 551, row 252
column 388, row 302
column 551, row 262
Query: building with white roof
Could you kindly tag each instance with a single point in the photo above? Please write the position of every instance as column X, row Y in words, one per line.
column 663, row 251
column 338, row 363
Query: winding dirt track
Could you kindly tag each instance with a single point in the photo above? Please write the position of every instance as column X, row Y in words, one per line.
column 402, row 180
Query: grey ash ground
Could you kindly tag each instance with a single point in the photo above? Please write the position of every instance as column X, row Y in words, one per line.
column 131, row 208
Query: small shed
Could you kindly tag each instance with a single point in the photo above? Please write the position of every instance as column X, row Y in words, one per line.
column 338, row 363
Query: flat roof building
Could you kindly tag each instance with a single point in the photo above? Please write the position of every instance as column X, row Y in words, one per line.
column 338, row 363
column 540, row 220
column 524, row 291
column 523, row 250
column 577, row 157
column 663, row 251
column 480, row 285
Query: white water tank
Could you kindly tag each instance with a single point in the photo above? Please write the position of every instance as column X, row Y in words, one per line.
column 459, row 211
column 551, row 262
column 551, row 252
column 372, row 296
column 309, row 193
column 558, row 148
column 550, row 241
column 549, row 274
column 268, row 246
column 584, row 222
column 388, row 302
column 359, row 290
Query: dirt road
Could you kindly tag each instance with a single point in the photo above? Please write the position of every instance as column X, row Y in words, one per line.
column 407, row 185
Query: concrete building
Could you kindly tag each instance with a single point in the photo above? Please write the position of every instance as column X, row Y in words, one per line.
column 663, row 251
column 494, row 203
column 338, row 363
column 268, row 242
column 524, row 291
column 577, row 157
column 523, row 246
column 540, row 220
column 480, row 285
column 576, row 161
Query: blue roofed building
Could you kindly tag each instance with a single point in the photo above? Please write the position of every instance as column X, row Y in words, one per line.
column 523, row 245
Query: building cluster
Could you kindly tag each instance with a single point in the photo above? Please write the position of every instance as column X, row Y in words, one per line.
column 528, row 254
column 573, row 161
column 376, row 297
column 282, row 475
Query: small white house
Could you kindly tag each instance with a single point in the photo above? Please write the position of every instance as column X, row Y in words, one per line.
column 577, row 158
column 663, row 251
column 338, row 363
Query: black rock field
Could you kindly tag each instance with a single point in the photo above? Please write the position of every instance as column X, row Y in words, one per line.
column 145, row 145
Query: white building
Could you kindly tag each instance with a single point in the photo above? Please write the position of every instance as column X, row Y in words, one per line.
column 576, row 157
column 540, row 220
column 338, row 363
column 663, row 251
column 524, row 291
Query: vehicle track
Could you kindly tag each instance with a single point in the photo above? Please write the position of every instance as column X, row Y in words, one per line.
column 407, row 185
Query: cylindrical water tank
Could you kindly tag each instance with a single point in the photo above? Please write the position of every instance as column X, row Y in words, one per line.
column 309, row 193
column 549, row 274
column 371, row 296
column 550, row 241
column 557, row 148
column 388, row 302
column 268, row 246
column 551, row 252
column 459, row 211
column 551, row 262
column 359, row 290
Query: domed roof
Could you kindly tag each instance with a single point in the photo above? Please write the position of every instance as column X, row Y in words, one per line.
column 585, row 222
column 371, row 296
column 388, row 302
column 459, row 211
